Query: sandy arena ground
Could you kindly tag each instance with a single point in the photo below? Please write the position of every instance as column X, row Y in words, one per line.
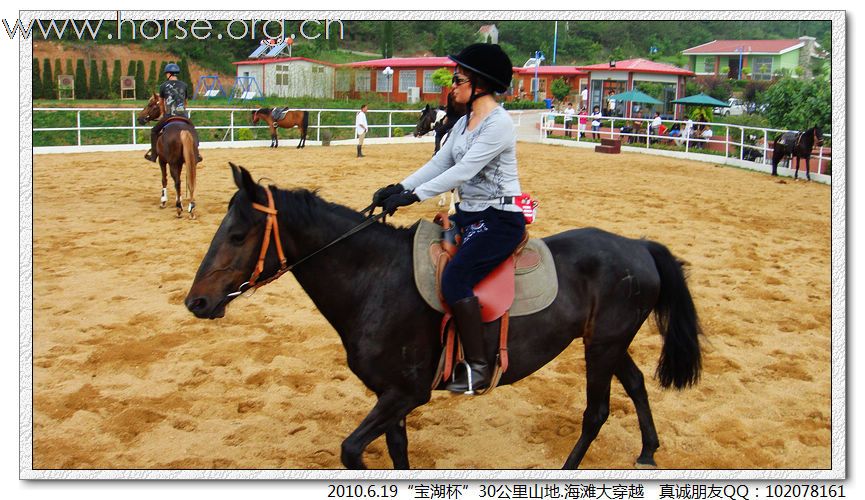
column 125, row 377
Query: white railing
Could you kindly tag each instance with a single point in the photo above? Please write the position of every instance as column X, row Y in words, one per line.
column 734, row 137
column 232, row 124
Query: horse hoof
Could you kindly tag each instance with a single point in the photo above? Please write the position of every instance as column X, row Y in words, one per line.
column 641, row 466
column 162, row 205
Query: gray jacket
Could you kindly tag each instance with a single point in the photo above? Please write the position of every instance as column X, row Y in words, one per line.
column 482, row 163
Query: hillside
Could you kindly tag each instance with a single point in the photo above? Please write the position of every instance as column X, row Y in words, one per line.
column 578, row 42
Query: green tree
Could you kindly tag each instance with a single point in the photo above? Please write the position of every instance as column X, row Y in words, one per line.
column 387, row 39
column 796, row 104
column 439, row 47
column 104, row 81
column 443, row 77
column 141, row 90
column 560, row 88
column 37, row 80
column 49, row 89
column 69, row 69
column 114, row 87
column 81, row 80
column 93, row 85
column 186, row 77
column 152, row 78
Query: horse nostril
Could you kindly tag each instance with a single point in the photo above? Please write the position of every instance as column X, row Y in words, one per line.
column 196, row 305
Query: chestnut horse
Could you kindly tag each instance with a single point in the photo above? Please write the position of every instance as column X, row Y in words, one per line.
column 359, row 274
column 291, row 119
column 176, row 146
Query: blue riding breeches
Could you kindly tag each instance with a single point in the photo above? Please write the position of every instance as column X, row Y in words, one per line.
column 488, row 238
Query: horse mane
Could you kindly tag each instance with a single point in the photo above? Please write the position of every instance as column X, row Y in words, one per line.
column 305, row 208
column 262, row 111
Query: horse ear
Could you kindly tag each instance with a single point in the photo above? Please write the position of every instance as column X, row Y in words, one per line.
column 426, row 108
column 243, row 180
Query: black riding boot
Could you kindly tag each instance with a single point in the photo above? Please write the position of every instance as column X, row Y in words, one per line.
column 151, row 155
column 359, row 154
column 467, row 314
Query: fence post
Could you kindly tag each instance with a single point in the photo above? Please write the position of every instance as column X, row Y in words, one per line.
column 765, row 146
column 231, row 126
column 727, row 141
column 648, row 135
column 820, row 160
column 742, row 145
column 134, row 130
column 318, row 126
column 612, row 127
column 78, row 127
column 389, row 123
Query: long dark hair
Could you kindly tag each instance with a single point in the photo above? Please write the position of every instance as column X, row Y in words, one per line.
column 477, row 82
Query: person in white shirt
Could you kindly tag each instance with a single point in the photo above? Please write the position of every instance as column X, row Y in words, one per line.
column 360, row 127
column 569, row 117
column 655, row 127
column 611, row 104
column 596, row 121
column 584, row 97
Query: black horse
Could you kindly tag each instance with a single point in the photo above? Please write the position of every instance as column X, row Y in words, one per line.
column 363, row 285
column 800, row 145
column 441, row 120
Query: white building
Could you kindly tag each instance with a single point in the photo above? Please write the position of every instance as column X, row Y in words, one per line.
column 290, row 76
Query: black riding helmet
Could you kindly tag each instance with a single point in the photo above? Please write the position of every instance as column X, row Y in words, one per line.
column 489, row 61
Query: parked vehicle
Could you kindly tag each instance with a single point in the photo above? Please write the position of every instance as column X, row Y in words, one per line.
column 737, row 108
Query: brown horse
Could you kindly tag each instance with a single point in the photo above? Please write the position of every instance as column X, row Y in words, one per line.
column 289, row 119
column 175, row 147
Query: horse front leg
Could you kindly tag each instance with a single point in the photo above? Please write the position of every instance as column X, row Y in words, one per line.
column 386, row 416
column 274, row 140
column 164, row 199
column 600, row 363
column 808, row 168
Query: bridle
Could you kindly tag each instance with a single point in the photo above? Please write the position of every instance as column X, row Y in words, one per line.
column 272, row 227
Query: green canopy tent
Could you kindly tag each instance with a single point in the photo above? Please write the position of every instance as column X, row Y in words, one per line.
column 701, row 100
column 637, row 96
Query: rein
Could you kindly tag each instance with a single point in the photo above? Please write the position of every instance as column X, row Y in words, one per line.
column 272, row 227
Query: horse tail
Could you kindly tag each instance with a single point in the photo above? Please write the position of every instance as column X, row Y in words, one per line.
column 187, row 142
column 676, row 317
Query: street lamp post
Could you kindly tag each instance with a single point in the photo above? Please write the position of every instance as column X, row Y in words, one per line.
column 539, row 56
column 388, row 72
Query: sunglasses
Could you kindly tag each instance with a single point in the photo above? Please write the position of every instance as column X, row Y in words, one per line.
column 458, row 80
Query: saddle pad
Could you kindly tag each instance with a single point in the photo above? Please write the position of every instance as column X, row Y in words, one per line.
column 278, row 113
column 535, row 287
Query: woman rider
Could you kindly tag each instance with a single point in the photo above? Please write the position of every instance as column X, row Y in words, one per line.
column 480, row 160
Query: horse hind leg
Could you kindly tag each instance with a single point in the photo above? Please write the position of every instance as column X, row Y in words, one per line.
column 397, row 445
column 633, row 381
column 189, row 159
column 178, row 200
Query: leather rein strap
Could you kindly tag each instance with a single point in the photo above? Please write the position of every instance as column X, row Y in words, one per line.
column 272, row 227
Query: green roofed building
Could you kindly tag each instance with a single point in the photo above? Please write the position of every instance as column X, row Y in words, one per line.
column 755, row 59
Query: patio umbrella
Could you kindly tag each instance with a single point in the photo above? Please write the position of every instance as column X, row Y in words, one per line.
column 701, row 100
column 636, row 96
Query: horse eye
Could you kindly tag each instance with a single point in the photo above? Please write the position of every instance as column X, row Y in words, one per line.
column 237, row 238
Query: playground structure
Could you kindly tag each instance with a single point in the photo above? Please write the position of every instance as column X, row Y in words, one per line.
column 245, row 88
column 209, row 87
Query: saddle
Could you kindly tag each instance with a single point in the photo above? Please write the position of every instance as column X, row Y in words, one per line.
column 171, row 120
column 278, row 113
column 523, row 284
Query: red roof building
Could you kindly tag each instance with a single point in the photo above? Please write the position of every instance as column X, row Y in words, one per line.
column 411, row 78
column 756, row 59
column 523, row 87
column 616, row 77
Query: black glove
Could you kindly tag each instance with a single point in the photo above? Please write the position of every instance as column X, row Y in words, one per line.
column 386, row 192
column 399, row 200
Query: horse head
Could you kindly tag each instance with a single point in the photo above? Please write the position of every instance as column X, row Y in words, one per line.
column 255, row 116
column 818, row 136
column 425, row 124
column 152, row 111
column 232, row 257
